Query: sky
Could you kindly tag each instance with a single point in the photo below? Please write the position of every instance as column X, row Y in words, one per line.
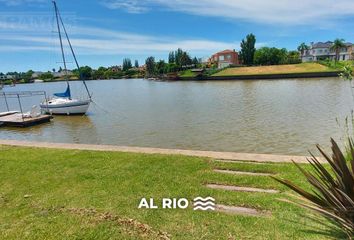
column 103, row 32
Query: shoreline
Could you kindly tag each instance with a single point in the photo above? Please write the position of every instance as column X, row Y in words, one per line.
column 264, row 76
column 256, row 77
column 230, row 156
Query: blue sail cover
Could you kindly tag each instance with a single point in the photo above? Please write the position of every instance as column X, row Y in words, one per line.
column 66, row 94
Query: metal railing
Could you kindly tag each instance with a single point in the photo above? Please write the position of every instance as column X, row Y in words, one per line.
column 19, row 95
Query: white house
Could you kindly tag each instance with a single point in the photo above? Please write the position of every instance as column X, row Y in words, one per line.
column 62, row 73
column 322, row 50
column 6, row 77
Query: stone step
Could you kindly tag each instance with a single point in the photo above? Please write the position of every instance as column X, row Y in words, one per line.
column 234, row 210
column 241, row 172
column 240, row 161
column 240, row 189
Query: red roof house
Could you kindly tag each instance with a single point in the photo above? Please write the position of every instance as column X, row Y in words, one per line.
column 225, row 58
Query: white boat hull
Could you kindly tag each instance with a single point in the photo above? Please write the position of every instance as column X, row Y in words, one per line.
column 62, row 106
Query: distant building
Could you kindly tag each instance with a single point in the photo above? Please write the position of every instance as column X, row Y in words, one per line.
column 225, row 58
column 116, row 68
column 322, row 50
column 62, row 74
column 36, row 74
column 7, row 77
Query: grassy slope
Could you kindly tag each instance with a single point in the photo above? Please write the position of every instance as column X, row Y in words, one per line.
column 115, row 182
column 276, row 69
column 187, row 73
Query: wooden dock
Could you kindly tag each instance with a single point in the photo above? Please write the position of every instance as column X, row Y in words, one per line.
column 17, row 120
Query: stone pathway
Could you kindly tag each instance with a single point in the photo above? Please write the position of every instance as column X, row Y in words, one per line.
column 241, row 211
column 263, row 158
column 240, row 189
column 242, row 173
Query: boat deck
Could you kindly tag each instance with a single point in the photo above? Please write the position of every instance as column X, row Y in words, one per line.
column 16, row 120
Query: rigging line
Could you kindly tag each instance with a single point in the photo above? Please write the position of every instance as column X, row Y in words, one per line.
column 61, row 41
column 74, row 55
column 99, row 107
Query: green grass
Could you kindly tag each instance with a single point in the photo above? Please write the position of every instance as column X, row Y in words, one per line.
column 337, row 65
column 62, row 185
column 275, row 69
column 187, row 73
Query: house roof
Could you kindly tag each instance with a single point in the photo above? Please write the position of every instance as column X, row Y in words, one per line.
column 226, row 51
column 327, row 44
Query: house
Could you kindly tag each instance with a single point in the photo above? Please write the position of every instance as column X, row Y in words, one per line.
column 62, row 74
column 225, row 58
column 322, row 50
column 116, row 69
column 7, row 77
column 36, row 74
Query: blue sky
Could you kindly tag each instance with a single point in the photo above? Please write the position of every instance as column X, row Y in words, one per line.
column 104, row 32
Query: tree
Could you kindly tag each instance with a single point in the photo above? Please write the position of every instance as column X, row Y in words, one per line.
column 84, row 72
column 171, row 57
column 127, row 64
column 185, row 59
column 294, row 57
column 150, row 66
column 302, row 48
column 337, row 45
column 248, row 49
column 172, row 68
column 195, row 61
column 99, row 73
column 27, row 76
column 161, row 67
column 136, row 64
column 270, row 56
column 46, row 76
column 178, row 56
column 108, row 74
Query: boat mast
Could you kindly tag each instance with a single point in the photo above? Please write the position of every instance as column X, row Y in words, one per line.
column 74, row 55
column 61, row 42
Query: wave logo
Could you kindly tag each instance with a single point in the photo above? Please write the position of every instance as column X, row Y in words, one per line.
column 204, row 204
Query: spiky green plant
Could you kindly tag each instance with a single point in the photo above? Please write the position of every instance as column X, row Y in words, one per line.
column 332, row 194
column 347, row 73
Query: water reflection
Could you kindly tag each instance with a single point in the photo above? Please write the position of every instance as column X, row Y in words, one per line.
column 282, row 116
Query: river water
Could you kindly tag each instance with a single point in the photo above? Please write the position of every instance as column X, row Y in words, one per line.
column 279, row 116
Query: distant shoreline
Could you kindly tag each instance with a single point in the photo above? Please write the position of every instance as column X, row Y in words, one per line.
column 264, row 76
column 223, row 78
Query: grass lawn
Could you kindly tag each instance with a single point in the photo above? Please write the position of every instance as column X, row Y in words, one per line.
column 276, row 69
column 187, row 73
column 71, row 194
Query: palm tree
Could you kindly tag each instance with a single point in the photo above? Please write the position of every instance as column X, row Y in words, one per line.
column 302, row 48
column 337, row 45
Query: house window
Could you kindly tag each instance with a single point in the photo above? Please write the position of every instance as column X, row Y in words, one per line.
column 221, row 58
column 228, row 57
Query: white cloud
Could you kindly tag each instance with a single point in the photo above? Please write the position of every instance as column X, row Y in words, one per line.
column 131, row 6
column 96, row 41
column 263, row 11
column 19, row 2
column 120, row 46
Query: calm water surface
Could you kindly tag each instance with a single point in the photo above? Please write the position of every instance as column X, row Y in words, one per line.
column 281, row 116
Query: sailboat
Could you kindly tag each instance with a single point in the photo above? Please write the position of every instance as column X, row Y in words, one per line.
column 63, row 103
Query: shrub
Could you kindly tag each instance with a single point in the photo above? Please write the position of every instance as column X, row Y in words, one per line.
column 333, row 190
